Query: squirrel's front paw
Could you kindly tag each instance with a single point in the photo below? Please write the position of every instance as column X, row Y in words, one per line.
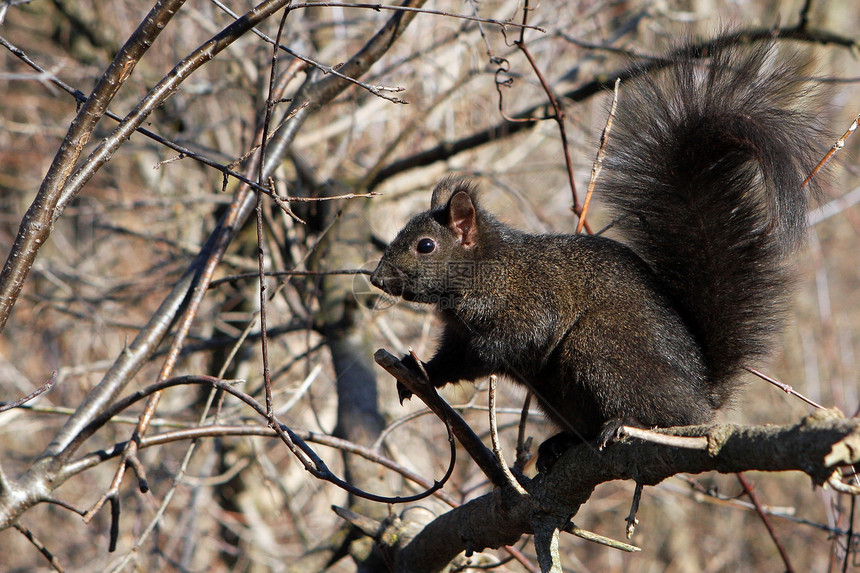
column 409, row 361
column 403, row 393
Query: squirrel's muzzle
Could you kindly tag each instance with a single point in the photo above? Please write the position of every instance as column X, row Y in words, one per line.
column 387, row 278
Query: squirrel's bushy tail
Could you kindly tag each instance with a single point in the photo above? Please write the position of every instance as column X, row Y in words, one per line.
column 703, row 172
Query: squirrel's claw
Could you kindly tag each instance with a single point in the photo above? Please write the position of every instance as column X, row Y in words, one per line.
column 611, row 430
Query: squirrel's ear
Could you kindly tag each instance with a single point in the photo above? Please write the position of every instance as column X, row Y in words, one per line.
column 461, row 218
column 446, row 188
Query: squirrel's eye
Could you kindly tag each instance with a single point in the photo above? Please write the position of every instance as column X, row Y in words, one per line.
column 426, row 246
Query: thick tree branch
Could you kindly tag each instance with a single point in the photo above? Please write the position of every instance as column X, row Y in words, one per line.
column 817, row 446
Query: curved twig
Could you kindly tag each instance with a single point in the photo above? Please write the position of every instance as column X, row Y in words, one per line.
column 313, row 464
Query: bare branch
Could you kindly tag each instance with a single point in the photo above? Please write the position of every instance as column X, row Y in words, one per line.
column 497, row 447
column 37, row 392
column 499, row 519
column 421, row 388
column 597, row 166
column 52, row 559
column 37, row 223
column 748, row 489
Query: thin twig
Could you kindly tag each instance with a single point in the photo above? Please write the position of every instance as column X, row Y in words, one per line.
column 559, row 117
column 585, row 90
column 785, row 388
column 524, row 444
column 595, row 538
column 313, row 464
column 850, row 536
column 114, row 521
column 376, row 90
column 504, row 24
column 597, row 166
column 191, row 287
column 686, row 442
column 92, row 459
column 159, row 93
column 497, row 447
column 37, row 392
column 46, row 553
column 245, row 276
column 631, row 520
column 748, row 489
column 803, row 21
column 710, row 495
column 840, row 143
column 261, row 253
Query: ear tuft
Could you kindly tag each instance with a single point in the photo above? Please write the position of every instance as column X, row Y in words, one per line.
column 448, row 187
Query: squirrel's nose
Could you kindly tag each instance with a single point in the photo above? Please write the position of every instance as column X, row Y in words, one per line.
column 388, row 278
column 378, row 276
column 376, row 280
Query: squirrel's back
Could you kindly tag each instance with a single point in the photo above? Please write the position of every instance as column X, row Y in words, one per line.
column 704, row 172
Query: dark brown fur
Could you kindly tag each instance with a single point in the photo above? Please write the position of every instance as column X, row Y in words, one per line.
column 704, row 174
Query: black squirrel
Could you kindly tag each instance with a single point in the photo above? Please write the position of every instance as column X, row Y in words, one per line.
column 703, row 173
